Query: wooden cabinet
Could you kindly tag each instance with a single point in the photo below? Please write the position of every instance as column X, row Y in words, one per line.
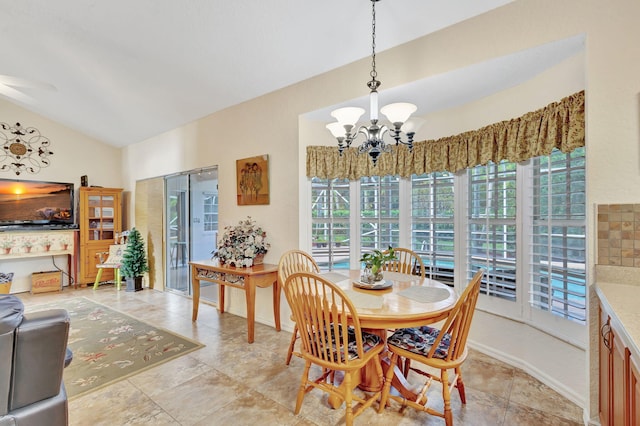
column 605, row 369
column 634, row 392
column 100, row 220
column 619, row 387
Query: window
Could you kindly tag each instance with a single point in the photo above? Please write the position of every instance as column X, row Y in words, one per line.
column 210, row 208
column 379, row 212
column 524, row 224
column 558, row 278
column 330, row 209
column 492, row 228
column 432, row 223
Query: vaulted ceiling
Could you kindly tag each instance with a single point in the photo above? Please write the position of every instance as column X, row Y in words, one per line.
column 122, row 71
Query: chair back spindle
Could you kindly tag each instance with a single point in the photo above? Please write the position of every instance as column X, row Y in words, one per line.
column 406, row 262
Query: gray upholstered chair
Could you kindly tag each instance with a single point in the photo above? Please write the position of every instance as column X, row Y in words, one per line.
column 33, row 354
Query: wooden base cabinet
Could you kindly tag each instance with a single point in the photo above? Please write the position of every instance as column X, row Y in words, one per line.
column 619, row 377
column 100, row 222
column 634, row 392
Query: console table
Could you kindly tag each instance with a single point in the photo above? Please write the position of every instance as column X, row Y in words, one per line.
column 30, row 244
column 246, row 279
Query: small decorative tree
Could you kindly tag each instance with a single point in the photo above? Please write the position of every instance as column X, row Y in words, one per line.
column 134, row 261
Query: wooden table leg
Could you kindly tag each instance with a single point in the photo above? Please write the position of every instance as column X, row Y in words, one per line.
column 276, row 304
column 369, row 382
column 195, row 284
column 250, row 295
column 220, row 297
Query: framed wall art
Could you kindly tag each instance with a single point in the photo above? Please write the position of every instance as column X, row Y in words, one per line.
column 252, row 175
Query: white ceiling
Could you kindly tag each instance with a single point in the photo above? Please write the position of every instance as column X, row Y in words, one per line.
column 126, row 70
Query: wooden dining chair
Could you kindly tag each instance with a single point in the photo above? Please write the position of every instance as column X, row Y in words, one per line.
column 331, row 338
column 407, row 262
column 290, row 262
column 442, row 349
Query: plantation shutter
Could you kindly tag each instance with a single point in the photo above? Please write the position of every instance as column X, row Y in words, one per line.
column 379, row 212
column 330, row 230
column 558, row 247
column 492, row 227
column 432, row 223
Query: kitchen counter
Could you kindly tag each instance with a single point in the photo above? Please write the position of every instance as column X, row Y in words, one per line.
column 619, row 291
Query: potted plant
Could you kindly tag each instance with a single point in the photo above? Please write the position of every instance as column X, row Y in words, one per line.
column 373, row 262
column 134, row 261
column 64, row 243
column 46, row 243
column 27, row 246
column 7, row 245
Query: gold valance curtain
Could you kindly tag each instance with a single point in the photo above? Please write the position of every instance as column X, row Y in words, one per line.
column 558, row 125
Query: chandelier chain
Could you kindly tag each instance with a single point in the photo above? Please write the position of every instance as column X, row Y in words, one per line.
column 373, row 72
column 346, row 129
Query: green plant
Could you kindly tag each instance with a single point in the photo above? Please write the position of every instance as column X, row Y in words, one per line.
column 7, row 244
column 27, row 244
column 377, row 258
column 134, row 259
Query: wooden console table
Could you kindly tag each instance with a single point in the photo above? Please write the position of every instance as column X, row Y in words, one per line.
column 246, row 279
column 24, row 244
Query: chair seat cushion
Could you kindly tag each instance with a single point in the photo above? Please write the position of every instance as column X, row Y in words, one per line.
column 419, row 340
column 369, row 341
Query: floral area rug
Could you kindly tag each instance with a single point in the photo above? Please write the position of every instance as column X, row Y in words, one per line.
column 109, row 346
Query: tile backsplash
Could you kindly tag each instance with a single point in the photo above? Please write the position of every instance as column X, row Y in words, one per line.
column 619, row 235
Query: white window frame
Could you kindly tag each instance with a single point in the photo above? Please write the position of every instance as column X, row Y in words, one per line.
column 520, row 310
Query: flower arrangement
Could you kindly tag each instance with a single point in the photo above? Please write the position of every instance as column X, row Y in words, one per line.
column 240, row 244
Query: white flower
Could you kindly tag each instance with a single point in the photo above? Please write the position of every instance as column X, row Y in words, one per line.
column 240, row 244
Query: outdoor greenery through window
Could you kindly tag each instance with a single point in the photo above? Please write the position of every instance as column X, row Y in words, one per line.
column 524, row 224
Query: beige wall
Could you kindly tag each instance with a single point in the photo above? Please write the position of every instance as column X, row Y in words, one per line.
column 270, row 124
column 74, row 155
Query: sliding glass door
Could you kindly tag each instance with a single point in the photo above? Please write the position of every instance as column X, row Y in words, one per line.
column 191, row 226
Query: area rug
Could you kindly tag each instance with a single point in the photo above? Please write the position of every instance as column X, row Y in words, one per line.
column 109, row 346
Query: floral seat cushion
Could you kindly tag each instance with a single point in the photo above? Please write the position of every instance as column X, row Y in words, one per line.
column 368, row 341
column 419, row 340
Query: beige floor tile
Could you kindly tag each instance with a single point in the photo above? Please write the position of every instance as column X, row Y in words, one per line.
column 232, row 382
column 530, row 392
column 519, row 415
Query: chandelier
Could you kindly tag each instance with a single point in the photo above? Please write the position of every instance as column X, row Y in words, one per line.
column 398, row 115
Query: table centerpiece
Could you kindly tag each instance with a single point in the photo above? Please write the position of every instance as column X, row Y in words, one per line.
column 373, row 264
column 242, row 245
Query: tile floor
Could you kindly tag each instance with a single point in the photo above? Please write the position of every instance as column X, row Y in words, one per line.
column 231, row 382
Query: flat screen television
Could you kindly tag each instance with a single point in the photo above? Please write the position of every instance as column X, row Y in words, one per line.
column 28, row 203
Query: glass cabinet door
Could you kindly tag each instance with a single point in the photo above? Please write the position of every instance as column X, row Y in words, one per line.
column 101, row 217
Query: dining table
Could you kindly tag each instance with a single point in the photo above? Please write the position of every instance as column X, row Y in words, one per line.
column 399, row 301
